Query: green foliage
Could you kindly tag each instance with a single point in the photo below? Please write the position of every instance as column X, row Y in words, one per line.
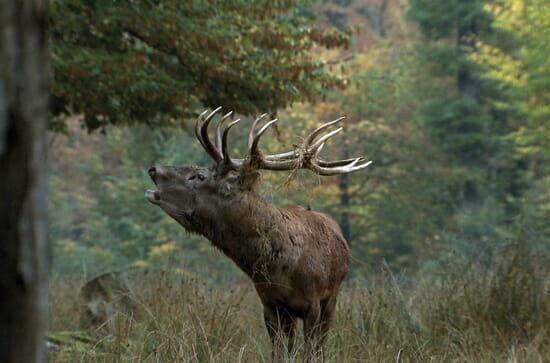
column 119, row 62
column 100, row 219
column 442, row 18
column 471, row 89
column 447, row 174
column 456, row 112
column 522, row 71
column 451, row 173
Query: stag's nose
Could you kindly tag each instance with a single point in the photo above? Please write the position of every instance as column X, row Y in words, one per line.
column 152, row 171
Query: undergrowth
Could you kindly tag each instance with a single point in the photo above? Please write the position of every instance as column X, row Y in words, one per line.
column 477, row 312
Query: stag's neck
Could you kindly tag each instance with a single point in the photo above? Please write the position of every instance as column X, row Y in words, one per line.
column 246, row 234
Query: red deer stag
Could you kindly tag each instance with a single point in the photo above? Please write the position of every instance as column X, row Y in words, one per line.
column 296, row 258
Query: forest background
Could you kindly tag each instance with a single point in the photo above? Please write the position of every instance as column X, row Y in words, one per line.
column 456, row 124
column 450, row 99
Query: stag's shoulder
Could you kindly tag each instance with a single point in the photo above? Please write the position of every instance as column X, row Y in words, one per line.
column 310, row 217
column 316, row 229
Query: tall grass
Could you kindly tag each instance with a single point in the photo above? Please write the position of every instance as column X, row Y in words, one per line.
column 496, row 312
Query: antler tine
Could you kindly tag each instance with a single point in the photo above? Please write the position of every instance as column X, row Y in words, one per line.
column 283, row 156
column 219, row 130
column 304, row 156
column 324, row 167
column 318, row 130
column 253, row 147
column 198, row 126
column 334, row 163
column 226, row 158
column 308, row 158
column 318, row 145
column 253, row 128
column 351, row 167
column 290, row 164
column 206, row 143
column 315, row 148
column 274, row 162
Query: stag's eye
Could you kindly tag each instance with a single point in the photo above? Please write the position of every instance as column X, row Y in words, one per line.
column 200, row 176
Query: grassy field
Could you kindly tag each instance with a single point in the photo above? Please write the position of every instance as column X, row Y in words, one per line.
column 496, row 312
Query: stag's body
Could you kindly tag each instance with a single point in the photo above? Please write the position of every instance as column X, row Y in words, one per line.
column 296, row 258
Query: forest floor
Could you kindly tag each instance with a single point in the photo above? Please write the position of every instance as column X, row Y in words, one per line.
column 495, row 313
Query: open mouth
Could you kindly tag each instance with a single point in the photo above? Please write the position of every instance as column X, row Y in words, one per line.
column 153, row 196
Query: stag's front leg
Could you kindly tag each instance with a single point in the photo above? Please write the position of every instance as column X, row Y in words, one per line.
column 290, row 331
column 328, row 309
column 312, row 332
column 281, row 328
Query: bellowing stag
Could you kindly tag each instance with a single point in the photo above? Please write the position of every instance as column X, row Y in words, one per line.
column 296, row 258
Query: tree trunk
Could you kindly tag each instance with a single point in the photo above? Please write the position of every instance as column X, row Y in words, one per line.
column 344, row 196
column 466, row 82
column 23, row 126
column 467, row 85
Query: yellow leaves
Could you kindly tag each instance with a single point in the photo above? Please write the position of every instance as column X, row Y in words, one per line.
column 500, row 66
column 521, row 16
column 364, row 60
column 506, row 13
column 100, row 252
column 140, row 264
column 163, row 249
column 378, row 127
column 327, row 109
column 532, row 140
column 68, row 246
column 164, row 244
column 71, row 250
column 161, row 236
column 374, row 251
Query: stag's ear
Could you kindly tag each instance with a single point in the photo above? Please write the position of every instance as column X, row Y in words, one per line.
column 230, row 183
column 238, row 181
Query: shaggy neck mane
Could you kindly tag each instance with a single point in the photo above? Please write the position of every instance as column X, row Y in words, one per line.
column 242, row 232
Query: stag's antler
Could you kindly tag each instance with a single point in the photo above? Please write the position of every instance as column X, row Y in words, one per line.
column 305, row 156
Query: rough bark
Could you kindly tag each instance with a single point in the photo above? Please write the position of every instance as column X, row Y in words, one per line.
column 345, row 198
column 23, row 125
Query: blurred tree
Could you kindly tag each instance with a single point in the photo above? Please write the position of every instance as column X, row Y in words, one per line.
column 461, row 111
column 398, row 207
column 455, row 112
column 485, row 65
column 441, row 116
column 395, row 210
column 99, row 218
column 522, row 70
column 23, row 232
column 119, row 62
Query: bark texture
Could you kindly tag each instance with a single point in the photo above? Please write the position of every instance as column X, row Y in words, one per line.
column 23, row 125
column 345, row 198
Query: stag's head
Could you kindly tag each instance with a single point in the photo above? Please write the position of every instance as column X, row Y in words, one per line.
column 198, row 196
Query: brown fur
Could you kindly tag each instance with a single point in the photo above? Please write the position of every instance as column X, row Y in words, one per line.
column 296, row 258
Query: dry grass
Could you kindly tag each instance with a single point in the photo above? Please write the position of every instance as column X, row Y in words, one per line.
column 471, row 313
